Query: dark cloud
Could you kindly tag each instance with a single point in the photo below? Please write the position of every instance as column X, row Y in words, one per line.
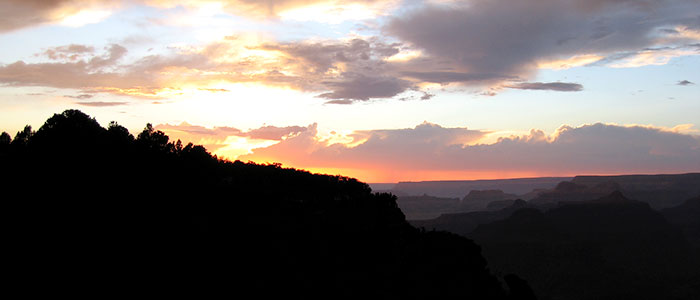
column 510, row 38
column 341, row 102
column 102, row 104
column 321, row 57
column 427, row 96
column 353, row 70
column 16, row 14
column 447, row 77
column 361, row 87
column 685, row 82
column 552, row 86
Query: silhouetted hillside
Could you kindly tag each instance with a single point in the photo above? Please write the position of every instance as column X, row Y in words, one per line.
column 464, row 223
column 460, row 188
column 567, row 191
column 660, row 191
column 610, row 248
column 426, row 207
column 479, row 199
column 687, row 217
column 97, row 212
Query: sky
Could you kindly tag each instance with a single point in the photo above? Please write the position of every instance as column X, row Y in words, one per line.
column 380, row 90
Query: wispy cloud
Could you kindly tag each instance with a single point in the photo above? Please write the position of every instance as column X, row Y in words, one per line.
column 102, row 104
column 552, row 86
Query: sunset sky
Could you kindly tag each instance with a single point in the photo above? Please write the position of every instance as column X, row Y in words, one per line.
column 381, row 90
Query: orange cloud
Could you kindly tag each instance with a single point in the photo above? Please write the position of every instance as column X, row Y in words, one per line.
column 429, row 152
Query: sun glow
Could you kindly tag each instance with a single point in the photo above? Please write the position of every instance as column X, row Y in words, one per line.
column 85, row 17
column 237, row 146
column 404, row 56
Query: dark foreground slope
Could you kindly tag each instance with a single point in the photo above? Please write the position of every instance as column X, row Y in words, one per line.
column 687, row 217
column 97, row 212
column 610, row 248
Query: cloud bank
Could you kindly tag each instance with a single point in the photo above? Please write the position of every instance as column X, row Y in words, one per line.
column 405, row 154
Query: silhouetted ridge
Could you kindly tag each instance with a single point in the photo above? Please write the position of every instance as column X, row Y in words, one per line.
column 608, row 248
column 99, row 212
column 660, row 191
column 464, row 223
column 687, row 217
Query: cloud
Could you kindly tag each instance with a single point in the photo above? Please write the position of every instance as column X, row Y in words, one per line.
column 361, row 87
column 684, row 82
column 80, row 96
column 481, row 44
column 447, row 77
column 102, row 104
column 70, row 52
column 67, row 72
column 275, row 133
column 212, row 139
column 18, row 14
column 351, row 69
column 503, row 39
column 405, row 154
column 218, row 139
column 375, row 148
column 552, row 86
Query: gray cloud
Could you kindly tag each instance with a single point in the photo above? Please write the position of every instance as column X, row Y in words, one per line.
column 509, row 38
column 321, row 57
column 361, row 87
column 80, row 96
column 341, row 102
column 552, row 86
column 447, row 77
column 70, row 52
column 16, row 14
column 685, row 82
column 80, row 74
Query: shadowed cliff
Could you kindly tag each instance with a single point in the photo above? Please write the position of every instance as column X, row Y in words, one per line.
column 609, row 248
